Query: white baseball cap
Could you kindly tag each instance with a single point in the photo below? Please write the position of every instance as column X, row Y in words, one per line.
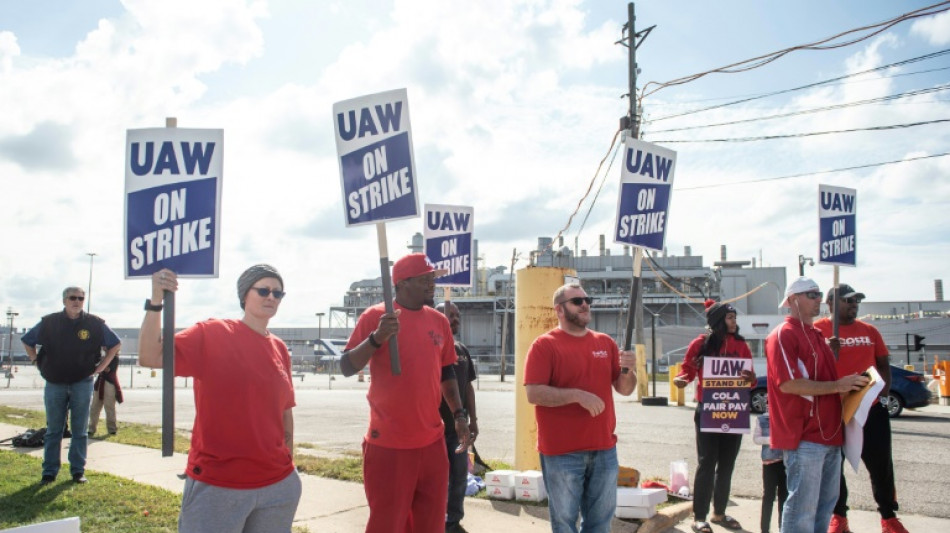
column 798, row 286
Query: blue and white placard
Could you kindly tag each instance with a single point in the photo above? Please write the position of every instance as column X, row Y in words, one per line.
column 643, row 205
column 448, row 235
column 377, row 169
column 837, row 225
column 173, row 179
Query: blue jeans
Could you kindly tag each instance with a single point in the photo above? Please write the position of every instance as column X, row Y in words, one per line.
column 813, row 471
column 584, row 484
column 59, row 398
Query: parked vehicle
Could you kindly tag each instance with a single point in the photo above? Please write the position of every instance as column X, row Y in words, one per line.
column 908, row 390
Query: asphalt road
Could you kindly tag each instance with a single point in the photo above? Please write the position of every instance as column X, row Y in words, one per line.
column 333, row 416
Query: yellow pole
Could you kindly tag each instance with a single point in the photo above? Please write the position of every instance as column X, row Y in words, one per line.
column 534, row 315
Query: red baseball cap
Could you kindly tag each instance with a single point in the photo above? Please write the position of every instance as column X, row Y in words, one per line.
column 413, row 265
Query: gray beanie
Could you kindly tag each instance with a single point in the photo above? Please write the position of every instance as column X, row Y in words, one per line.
column 252, row 275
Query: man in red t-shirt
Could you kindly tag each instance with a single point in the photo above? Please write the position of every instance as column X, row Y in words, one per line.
column 570, row 374
column 405, row 468
column 859, row 345
column 805, row 410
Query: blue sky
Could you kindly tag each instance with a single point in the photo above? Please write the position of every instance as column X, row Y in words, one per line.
column 513, row 105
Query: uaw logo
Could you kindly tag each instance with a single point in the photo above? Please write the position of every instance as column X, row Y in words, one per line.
column 83, row 334
column 599, row 354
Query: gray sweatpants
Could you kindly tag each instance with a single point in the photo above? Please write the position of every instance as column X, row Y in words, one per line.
column 210, row 509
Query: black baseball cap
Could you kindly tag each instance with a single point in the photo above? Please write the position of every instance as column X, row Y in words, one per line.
column 846, row 291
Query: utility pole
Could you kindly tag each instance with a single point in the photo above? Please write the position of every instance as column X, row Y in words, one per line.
column 631, row 124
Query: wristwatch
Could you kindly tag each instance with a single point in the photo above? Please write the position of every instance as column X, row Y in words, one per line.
column 460, row 413
column 150, row 307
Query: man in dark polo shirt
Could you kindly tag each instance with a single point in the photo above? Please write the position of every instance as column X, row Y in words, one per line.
column 71, row 343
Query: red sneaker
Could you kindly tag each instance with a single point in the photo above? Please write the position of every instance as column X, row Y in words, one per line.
column 839, row 524
column 892, row 525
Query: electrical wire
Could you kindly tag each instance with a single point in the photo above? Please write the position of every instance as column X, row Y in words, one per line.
column 680, row 103
column 586, row 194
column 807, row 134
column 829, row 81
column 805, row 174
column 823, row 44
column 880, row 99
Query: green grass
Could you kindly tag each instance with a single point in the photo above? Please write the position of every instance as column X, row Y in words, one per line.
column 107, row 503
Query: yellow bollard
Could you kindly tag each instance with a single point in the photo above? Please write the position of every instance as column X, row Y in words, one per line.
column 677, row 394
column 534, row 315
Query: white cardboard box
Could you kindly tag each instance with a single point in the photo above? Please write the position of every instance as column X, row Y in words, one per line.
column 635, row 512
column 500, row 478
column 530, row 495
column 637, row 497
column 529, row 479
column 500, row 493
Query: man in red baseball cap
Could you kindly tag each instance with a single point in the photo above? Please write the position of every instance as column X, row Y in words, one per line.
column 405, row 469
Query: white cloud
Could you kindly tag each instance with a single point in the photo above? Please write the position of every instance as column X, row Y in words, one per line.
column 935, row 29
column 513, row 104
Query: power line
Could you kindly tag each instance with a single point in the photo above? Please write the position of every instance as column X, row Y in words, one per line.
column 857, row 167
column 815, row 109
column 807, row 134
column 681, row 103
column 824, row 44
column 806, row 86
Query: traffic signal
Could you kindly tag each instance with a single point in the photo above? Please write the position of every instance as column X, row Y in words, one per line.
column 918, row 342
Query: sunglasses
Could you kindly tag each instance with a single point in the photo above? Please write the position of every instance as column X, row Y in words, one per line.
column 578, row 300
column 812, row 295
column 75, row 298
column 851, row 300
column 265, row 292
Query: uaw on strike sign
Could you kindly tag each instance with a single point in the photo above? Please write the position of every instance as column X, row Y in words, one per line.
column 173, row 201
column 646, row 180
column 448, row 237
column 837, row 225
column 374, row 145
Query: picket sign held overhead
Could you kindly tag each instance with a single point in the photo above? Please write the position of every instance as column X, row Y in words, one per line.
column 448, row 233
column 837, row 234
column 377, row 167
column 377, row 173
column 173, row 181
column 837, row 225
column 643, row 205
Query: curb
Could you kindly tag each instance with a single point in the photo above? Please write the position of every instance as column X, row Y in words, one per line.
column 666, row 518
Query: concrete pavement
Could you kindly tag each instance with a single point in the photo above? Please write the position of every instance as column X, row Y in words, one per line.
column 329, row 505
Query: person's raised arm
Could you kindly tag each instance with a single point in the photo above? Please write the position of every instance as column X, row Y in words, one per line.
column 150, row 334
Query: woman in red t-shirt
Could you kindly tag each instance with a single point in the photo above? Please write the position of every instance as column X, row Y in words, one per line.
column 716, row 452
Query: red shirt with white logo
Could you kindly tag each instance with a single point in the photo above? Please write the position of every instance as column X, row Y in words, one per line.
column 861, row 345
column 590, row 363
column 798, row 351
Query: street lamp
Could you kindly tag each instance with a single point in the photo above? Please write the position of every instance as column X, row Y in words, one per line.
column 801, row 263
column 89, row 291
column 10, row 315
column 320, row 336
column 320, row 325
